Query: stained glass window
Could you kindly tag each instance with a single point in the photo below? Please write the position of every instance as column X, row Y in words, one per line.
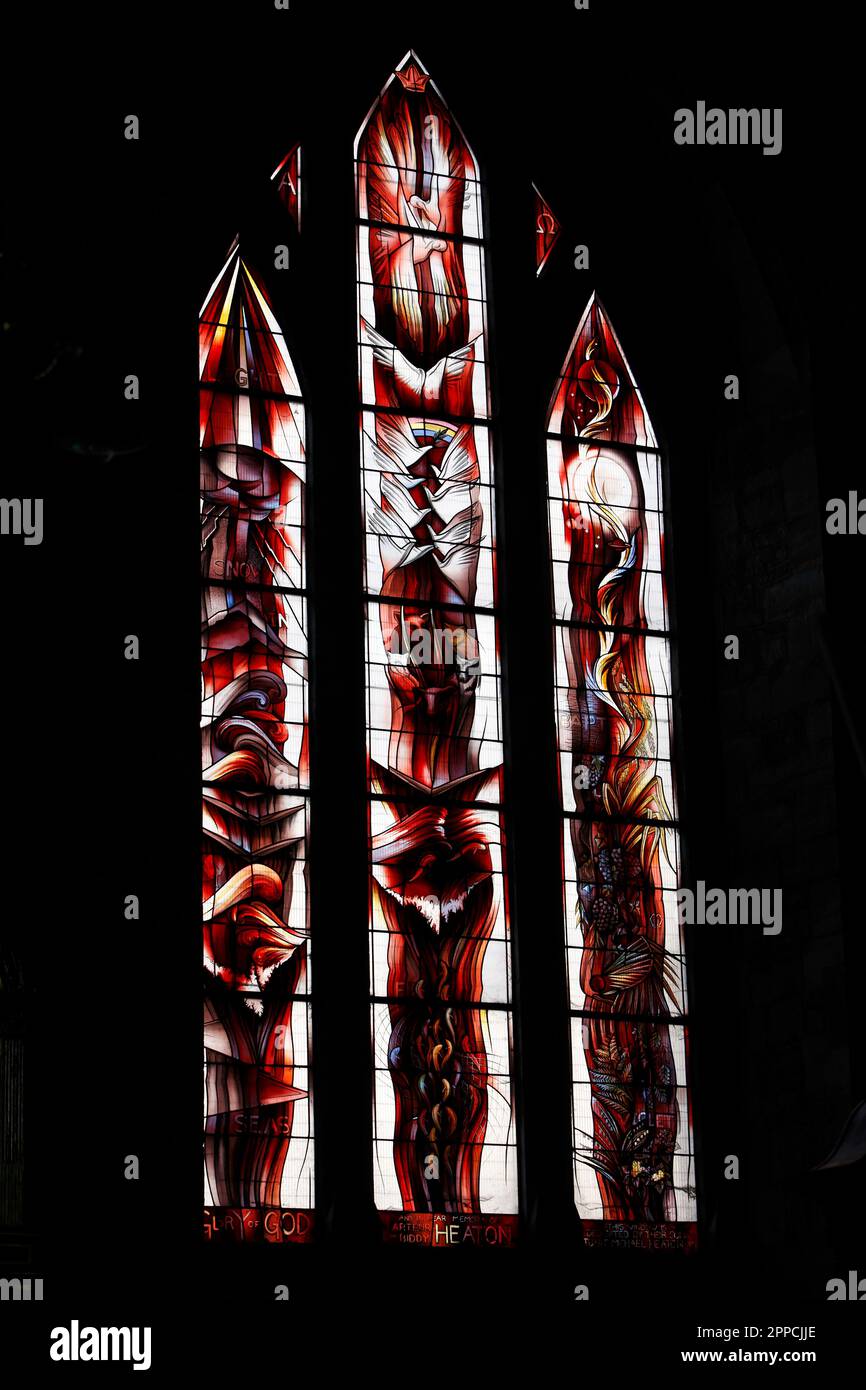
column 547, row 229
column 258, row 1116
column 444, row 1138
column 287, row 177
column 634, row 1170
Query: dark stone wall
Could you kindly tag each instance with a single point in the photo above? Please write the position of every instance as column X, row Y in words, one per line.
column 12, row 1132
column 777, row 770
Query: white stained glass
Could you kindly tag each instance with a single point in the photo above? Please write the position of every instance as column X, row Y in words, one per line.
column 498, row 1178
column 288, row 430
column 468, row 566
column 601, row 473
column 462, row 190
column 386, row 1187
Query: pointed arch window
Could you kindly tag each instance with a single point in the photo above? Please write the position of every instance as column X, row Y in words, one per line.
column 288, row 176
column 258, row 1115
column 440, row 965
column 547, row 230
column 439, row 924
column 634, row 1177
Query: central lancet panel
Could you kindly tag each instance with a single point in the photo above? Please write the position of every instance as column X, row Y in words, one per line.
column 440, row 955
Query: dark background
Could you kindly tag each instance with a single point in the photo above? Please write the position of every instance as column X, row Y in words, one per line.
column 709, row 261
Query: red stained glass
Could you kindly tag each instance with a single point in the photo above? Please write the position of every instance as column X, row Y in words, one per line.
column 439, row 929
column 547, row 230
column 287, row 177
column 258, row 1117
column 634, row 1168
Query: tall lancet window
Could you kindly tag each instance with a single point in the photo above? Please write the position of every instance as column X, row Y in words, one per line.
column 634, row 1170
column 258, row 1118
column 444, row 1160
